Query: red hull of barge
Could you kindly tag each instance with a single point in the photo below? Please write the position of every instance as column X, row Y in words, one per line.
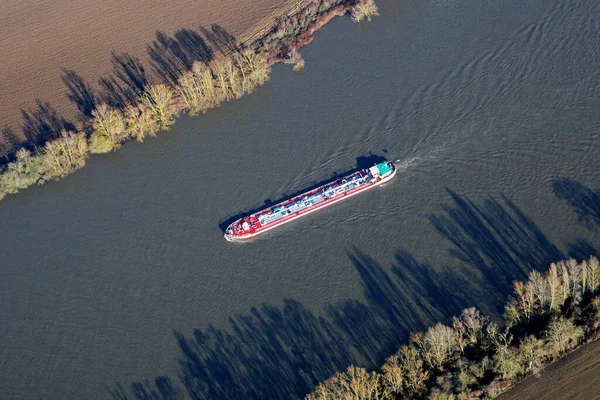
column 253, row 225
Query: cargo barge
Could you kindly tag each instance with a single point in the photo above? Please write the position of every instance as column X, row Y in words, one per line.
column 270, row 218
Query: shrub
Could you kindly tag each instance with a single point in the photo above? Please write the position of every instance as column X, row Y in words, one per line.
column 295, row 59
column 109, row 129
column 159, row 100
column 64, row 155
column 140, row 122
column 563, row 335
column 100, row 144
column 364, row 9
column 25, row 171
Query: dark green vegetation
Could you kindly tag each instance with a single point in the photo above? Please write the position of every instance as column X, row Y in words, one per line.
column 546, row 317
column 193, row 80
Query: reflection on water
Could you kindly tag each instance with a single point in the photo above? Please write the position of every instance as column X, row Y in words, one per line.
column 120, row 273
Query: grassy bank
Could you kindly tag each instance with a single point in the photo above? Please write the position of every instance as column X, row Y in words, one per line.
column 547, row 317
column 139, row 108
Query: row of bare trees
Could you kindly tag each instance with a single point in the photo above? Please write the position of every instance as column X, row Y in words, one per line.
column 205, row 86
column 150, row 108
column 548, row 315
column 546, row 293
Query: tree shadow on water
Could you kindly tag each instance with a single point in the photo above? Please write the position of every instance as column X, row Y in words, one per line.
column 283, row 352
column 584, row 200
column 497, row 240
column 161, row 389
column 582, row 250
column 269, row 353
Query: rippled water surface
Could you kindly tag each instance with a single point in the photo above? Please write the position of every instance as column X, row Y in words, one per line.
column 119, row 274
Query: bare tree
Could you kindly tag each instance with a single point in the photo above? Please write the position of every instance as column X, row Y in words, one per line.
column 207, row 85
column 554, row 288
column 254, row 68
column 460, row 333
column 364, row 9
column 473, row 322
column 506, row 361
column 233, row 75
column 584, row 269
column 393, row 374
column 66, row 154
column 566, row 281
column 353, row 384
column 512, row 313
column 492, row 332
column 322, row 392
column 440, row 344
column 218, row 67
column 109, row 129
column 575, row 279
column 295, row 59
column 593, row 274
column 540, row 289
column 532, row 354
column 158, row 98
column 140, row 121
column 415, row 374
column 563, row 335
column 190, row 91
column 25, row 171
column 522, row 303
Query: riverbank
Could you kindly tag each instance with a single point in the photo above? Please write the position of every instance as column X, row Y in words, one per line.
column 195, row 78
column 39, row 38
column 573, row 377
column 546, row 318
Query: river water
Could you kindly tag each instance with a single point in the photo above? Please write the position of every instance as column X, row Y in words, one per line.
column 117, row 282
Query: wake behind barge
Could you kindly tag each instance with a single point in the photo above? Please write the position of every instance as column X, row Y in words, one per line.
column 263, row 221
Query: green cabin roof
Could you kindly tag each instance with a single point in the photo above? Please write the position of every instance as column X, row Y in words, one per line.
column 384, row 168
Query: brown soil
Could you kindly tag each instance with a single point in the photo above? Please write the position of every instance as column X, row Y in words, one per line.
column 576, row 376
column 38, row 38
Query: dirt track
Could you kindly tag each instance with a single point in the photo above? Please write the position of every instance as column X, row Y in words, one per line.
column 38, row 38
